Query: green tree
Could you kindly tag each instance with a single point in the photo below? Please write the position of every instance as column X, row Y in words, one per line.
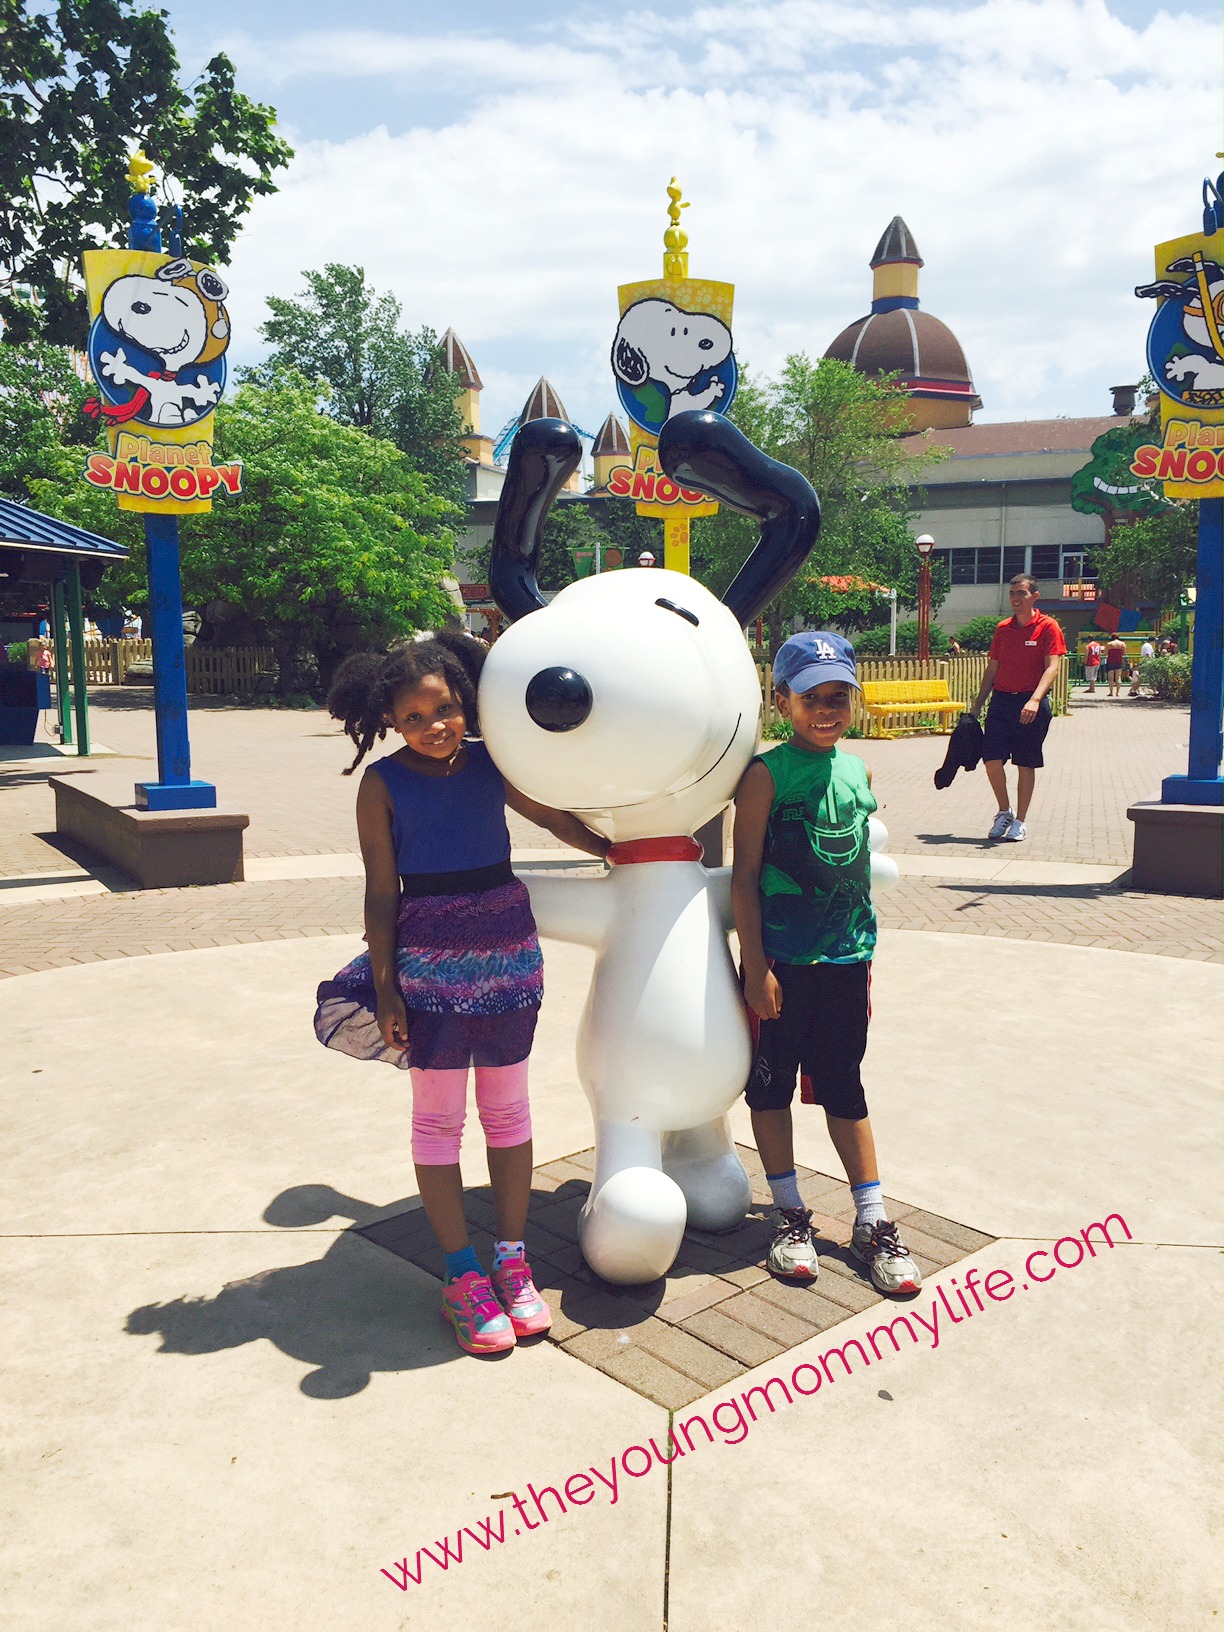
column 378, row 376
column 81, row 82
column 335, row 543
column 843, row 431
column 40, row 410
column 875, row 641
column 1154, row 557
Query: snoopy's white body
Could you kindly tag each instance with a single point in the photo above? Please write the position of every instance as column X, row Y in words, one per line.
column 663, row 1046
column 172, row 322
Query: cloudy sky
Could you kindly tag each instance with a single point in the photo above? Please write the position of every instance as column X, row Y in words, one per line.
column 501, row 174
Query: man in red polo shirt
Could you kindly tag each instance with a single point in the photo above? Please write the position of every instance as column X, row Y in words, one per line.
column 1021, row 668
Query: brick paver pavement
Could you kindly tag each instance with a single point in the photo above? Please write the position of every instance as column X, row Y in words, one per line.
column 282, row 766
column 717, row 1313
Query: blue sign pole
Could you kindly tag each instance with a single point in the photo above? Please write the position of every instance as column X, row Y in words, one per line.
column 1203, row 785
column 174, row 788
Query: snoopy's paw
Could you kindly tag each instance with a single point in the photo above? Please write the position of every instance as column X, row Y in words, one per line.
column 630, row 1231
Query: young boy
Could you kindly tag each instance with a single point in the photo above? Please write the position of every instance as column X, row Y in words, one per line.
column 801, row 888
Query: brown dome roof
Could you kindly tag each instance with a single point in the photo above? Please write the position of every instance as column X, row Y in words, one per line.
column 543, row 403
column 611, row 439
column 923, row 349
column 458, row 361
column 897, row 244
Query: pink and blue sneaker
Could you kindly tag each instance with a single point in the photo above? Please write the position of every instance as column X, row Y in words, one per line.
column 470, row 1305
column 528, row 1313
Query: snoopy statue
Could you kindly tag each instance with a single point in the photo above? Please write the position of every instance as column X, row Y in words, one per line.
column 632, row 699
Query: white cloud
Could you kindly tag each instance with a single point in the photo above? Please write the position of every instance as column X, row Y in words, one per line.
column 1037, row 149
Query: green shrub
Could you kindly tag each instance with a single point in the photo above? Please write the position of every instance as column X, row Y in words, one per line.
column 1168, row 677
column 19, row 653
column 977, row 634
column 874, row 642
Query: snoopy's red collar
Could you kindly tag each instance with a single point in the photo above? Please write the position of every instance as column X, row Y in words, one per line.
column 677, row 848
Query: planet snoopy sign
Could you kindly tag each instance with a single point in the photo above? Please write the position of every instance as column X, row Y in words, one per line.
column 157, row 345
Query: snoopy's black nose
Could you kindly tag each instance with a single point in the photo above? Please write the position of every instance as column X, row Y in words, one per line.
column 558, row 699
column 705, row 345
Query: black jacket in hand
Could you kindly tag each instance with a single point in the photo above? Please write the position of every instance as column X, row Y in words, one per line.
column 964, row 750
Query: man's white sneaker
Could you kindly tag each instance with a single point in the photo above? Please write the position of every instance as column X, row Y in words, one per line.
column 1001, row 823
column 1016, row 831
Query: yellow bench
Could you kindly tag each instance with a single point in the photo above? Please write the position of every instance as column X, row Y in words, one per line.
column 884, row 700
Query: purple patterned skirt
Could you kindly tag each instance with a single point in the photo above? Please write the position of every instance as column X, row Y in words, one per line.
column 471, row 975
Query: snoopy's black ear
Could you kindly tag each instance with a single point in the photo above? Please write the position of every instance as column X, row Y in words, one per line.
column 628, row 363
column 543, row 456
column 705, row 450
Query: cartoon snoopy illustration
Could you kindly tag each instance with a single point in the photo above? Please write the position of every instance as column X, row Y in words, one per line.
column 658, row 344
column 179, row 316
column 633, row 700
column 1202, row 297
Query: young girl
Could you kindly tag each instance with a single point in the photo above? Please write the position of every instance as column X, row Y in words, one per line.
column 452, row 975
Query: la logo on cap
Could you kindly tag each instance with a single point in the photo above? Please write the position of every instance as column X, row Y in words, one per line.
column 825, row 651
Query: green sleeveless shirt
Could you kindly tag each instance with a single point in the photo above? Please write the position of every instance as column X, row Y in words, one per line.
column 816, row 867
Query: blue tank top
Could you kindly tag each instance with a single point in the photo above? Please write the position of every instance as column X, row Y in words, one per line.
column 447, row 824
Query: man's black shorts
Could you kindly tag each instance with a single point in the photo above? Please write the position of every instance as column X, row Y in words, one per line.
column 822, row 1031
column 1006, row 738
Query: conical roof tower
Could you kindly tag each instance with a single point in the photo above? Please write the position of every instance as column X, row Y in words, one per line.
column 896, row 335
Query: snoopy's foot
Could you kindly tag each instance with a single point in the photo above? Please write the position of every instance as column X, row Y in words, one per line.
column 704, row 1163
column 630, row 1231
column 718, row 1191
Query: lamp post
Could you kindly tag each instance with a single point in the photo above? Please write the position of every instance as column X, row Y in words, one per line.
column 925, row 544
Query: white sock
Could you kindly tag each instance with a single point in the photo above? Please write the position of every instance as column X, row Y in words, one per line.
column 785, row 1189
column 868, row 1202
column 507, row 1249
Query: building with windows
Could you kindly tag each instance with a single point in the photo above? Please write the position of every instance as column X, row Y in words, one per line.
column 999, row 503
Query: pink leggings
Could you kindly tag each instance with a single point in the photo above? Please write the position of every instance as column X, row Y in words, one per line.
column 439, row 1101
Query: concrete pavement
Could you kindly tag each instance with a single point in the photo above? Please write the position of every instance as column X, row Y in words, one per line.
column 228, row 1408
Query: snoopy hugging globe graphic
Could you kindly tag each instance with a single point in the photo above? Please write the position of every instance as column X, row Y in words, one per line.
column 157, row 346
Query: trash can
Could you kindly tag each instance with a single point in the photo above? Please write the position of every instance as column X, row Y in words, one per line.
column 19, row 705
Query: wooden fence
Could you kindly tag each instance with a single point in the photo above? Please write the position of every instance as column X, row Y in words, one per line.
column 212, row 671
column 963, row 674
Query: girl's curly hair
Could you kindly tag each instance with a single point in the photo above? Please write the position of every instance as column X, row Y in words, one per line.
column 363, row 691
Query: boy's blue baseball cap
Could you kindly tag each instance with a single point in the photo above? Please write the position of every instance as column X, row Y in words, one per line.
column 813, row 658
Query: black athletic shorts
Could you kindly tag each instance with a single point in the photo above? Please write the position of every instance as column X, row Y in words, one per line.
column 821, row 1033
column 1006, row 738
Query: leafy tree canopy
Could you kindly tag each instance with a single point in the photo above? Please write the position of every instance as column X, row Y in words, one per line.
column 377, row 376
column 336, row 542
column 1152, row 558
column 80, row 83
column 40, row 410
column 842, row 430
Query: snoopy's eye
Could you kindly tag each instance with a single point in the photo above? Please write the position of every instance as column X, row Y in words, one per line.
column 673, row 333
column 211, row 286
column 141, row 307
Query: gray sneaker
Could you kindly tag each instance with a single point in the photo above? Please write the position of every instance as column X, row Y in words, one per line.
column 886, row 1255
column 1001, row 824
column 792, row 1253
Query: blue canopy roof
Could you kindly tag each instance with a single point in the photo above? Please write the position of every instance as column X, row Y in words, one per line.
column 24, row 529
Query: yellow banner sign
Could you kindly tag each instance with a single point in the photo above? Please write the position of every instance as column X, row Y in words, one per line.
column 158, row 336
column 1185, row 351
